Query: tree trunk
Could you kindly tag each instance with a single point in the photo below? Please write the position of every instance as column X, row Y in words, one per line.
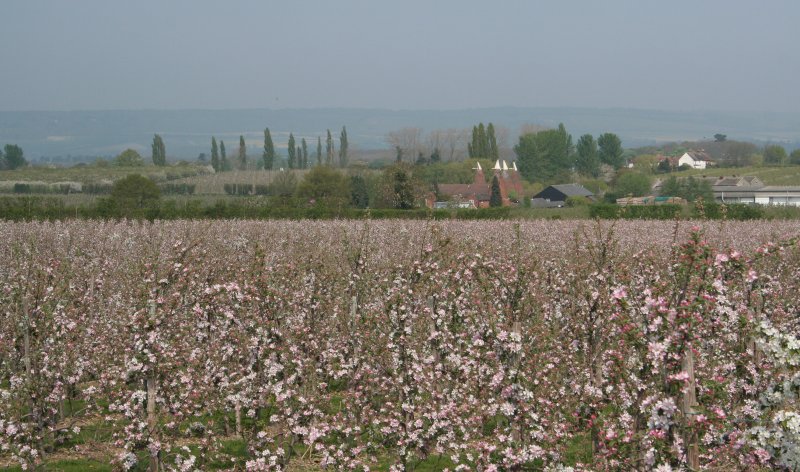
column 688, row 409
column 152, row 419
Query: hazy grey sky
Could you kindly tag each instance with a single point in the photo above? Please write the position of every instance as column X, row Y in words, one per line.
column 430, row 54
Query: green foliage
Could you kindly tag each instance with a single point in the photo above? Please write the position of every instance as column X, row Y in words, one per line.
column 159, row 154
column 495, row 199
column 343, row 145
column 632, row 184
column 134, row 192
column 690, row 189
column 794, row 157
column 329, row 149
column 291, row 150
column 546, row 156
column 319, row 151
column 225, row 164
column 242, row 156
column 587, row 162
column 129, row 158
column 610, row 150
column 739, row 211
column 484, row 143
column 775, row 155
column 401, row 188
column 215, row 162
column 12, row 157
column 576, row 201
column 720, row 137
column 326, row 186
column 269, row 150
column 304, row 153
column 359, row 194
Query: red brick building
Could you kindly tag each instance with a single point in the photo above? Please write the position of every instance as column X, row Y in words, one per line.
column 478, row 193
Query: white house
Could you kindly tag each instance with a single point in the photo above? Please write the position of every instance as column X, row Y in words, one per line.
column 693, row 160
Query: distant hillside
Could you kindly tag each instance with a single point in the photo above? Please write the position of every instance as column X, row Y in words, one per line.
column 188, row 132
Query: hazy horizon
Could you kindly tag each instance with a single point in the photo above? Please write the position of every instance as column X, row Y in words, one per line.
column 446, row 55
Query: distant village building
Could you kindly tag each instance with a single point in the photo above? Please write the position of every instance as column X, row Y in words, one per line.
column 556, row 195
column 478, row 193
column 750, row 189
column 693, row 159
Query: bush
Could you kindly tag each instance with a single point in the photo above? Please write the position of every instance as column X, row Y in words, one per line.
column 576, row 200
column 738, row 211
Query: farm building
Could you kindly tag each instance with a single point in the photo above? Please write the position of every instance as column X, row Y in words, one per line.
column 556, row 195
column 478, row 193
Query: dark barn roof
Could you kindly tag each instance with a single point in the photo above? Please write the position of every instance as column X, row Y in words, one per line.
column 561, row 192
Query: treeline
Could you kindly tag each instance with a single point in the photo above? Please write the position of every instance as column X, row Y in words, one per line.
column 298, row 154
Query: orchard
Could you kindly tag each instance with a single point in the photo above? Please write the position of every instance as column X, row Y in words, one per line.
column 401, row 345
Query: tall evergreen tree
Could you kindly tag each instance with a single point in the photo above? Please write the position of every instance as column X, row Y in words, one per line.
column 496, row 197
column 305, row 152
column 215, row 162
column 242, row 157
column 319, row 151
column 159, row 151
column 492, row 150
column 586, row 162
column 223, row 157
column 329, row 149
column 298, row 157
column 269, row 150
column 291, row 150
column 343, row 148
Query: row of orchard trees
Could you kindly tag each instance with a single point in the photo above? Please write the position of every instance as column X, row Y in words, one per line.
column 345, row 342
column 297, row 154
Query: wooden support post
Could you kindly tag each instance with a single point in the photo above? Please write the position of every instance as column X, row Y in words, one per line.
column 152, row 417
column 688, row 409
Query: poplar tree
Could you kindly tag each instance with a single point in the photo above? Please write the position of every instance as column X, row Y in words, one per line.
column 319, row 151
column 329, row 150
column 159, row 151
column 494, row 152
column 226, row 165
column 215, row 155
column 291, row 150
column 242, row 154
column 305, row 152
column 269, row 150
column 343, row 148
